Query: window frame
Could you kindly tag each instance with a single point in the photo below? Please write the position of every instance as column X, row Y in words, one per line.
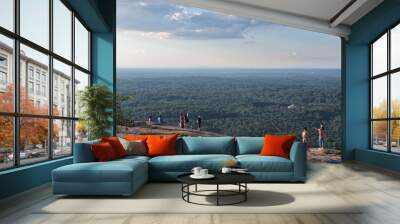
column 388, row 74
column 16, row 114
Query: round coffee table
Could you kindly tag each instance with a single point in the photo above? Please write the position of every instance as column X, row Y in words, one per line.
column 238, row 179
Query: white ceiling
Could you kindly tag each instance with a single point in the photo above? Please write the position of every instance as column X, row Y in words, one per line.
column 314, row 15
column 321, row 9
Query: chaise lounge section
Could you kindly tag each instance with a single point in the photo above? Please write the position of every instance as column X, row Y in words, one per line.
column 125, row 176
column 88, row 177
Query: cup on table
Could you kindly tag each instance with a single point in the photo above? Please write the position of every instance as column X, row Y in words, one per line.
column 196, row 171
column 226, row 170
column 203, row 172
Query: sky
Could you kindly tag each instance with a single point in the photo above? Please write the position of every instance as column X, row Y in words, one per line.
column 161, row 34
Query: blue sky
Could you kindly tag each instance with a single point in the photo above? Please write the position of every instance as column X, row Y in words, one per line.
column 160, row 34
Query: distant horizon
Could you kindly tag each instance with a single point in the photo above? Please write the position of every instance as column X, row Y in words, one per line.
column 224, row 72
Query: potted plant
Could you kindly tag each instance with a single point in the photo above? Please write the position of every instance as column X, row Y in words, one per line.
column 96, row 102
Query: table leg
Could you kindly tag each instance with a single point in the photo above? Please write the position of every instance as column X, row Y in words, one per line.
column 182, row 188
column 195, row 188
column 245, row 193
column 217, row 194
column 188, row 190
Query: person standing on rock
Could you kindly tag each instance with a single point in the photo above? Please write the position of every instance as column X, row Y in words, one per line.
column 199, row 122
column 181, row 121
column 304, row 135
column 321, row 136
column 159, row 119
column 187, row 120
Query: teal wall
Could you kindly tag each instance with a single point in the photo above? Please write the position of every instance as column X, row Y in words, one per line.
column 100, row 17
column 103, row 52
column 103, row 69
column 24, row 178
column 356, row 74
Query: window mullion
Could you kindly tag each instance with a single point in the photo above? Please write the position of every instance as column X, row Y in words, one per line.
column 50, row 81
column 389, row 106
column 16, row 84
column 73, row 81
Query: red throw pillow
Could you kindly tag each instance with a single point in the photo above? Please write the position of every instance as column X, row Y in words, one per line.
column 116, row 145
column 103, row 152
column 276, row 145
column 161, row 145
column 136, row 137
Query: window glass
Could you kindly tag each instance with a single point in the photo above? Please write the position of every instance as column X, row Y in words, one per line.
column 81, row 131
column 6, row 142
column 38, row 102
column 62, row 29
column 395, row 47
column 379, row 135
column 395, row 95
column 34, row 21
column 379, row 100
column 62, row 89
column 33, row 139
column 81, row 45
column 379, row 56
column 6, row 74
column 81, row 82
column 395, row 136
column 62, row 138
column 7, row 14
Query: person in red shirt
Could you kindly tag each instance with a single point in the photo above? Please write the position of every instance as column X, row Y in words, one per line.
column 321, row 136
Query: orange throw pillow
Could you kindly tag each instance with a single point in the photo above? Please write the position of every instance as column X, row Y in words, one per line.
column 103, row 152
column 116, row 145
column 136, row 137
column 277, row 145
column 161, row 145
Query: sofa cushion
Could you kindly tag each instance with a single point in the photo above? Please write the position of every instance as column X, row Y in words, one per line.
column 112, row 171
column 249, row 145
column 185, row 163
column 208, row 145
column 257, row 163
column 133, row 158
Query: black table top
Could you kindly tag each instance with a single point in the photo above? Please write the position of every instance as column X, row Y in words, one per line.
column 220, row 178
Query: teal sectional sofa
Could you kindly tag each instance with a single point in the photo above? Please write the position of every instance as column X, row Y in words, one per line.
column 125, row 176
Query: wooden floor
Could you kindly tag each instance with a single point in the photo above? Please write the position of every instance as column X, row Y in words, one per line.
column 379, row 189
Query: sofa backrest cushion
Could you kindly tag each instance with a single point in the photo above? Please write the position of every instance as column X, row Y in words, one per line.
column 208, row 145
column 83, row 152
column 249, row 145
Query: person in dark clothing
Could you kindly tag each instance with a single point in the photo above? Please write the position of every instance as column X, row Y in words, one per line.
column 181, row 121
column 187, row 120
column 199, row 122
